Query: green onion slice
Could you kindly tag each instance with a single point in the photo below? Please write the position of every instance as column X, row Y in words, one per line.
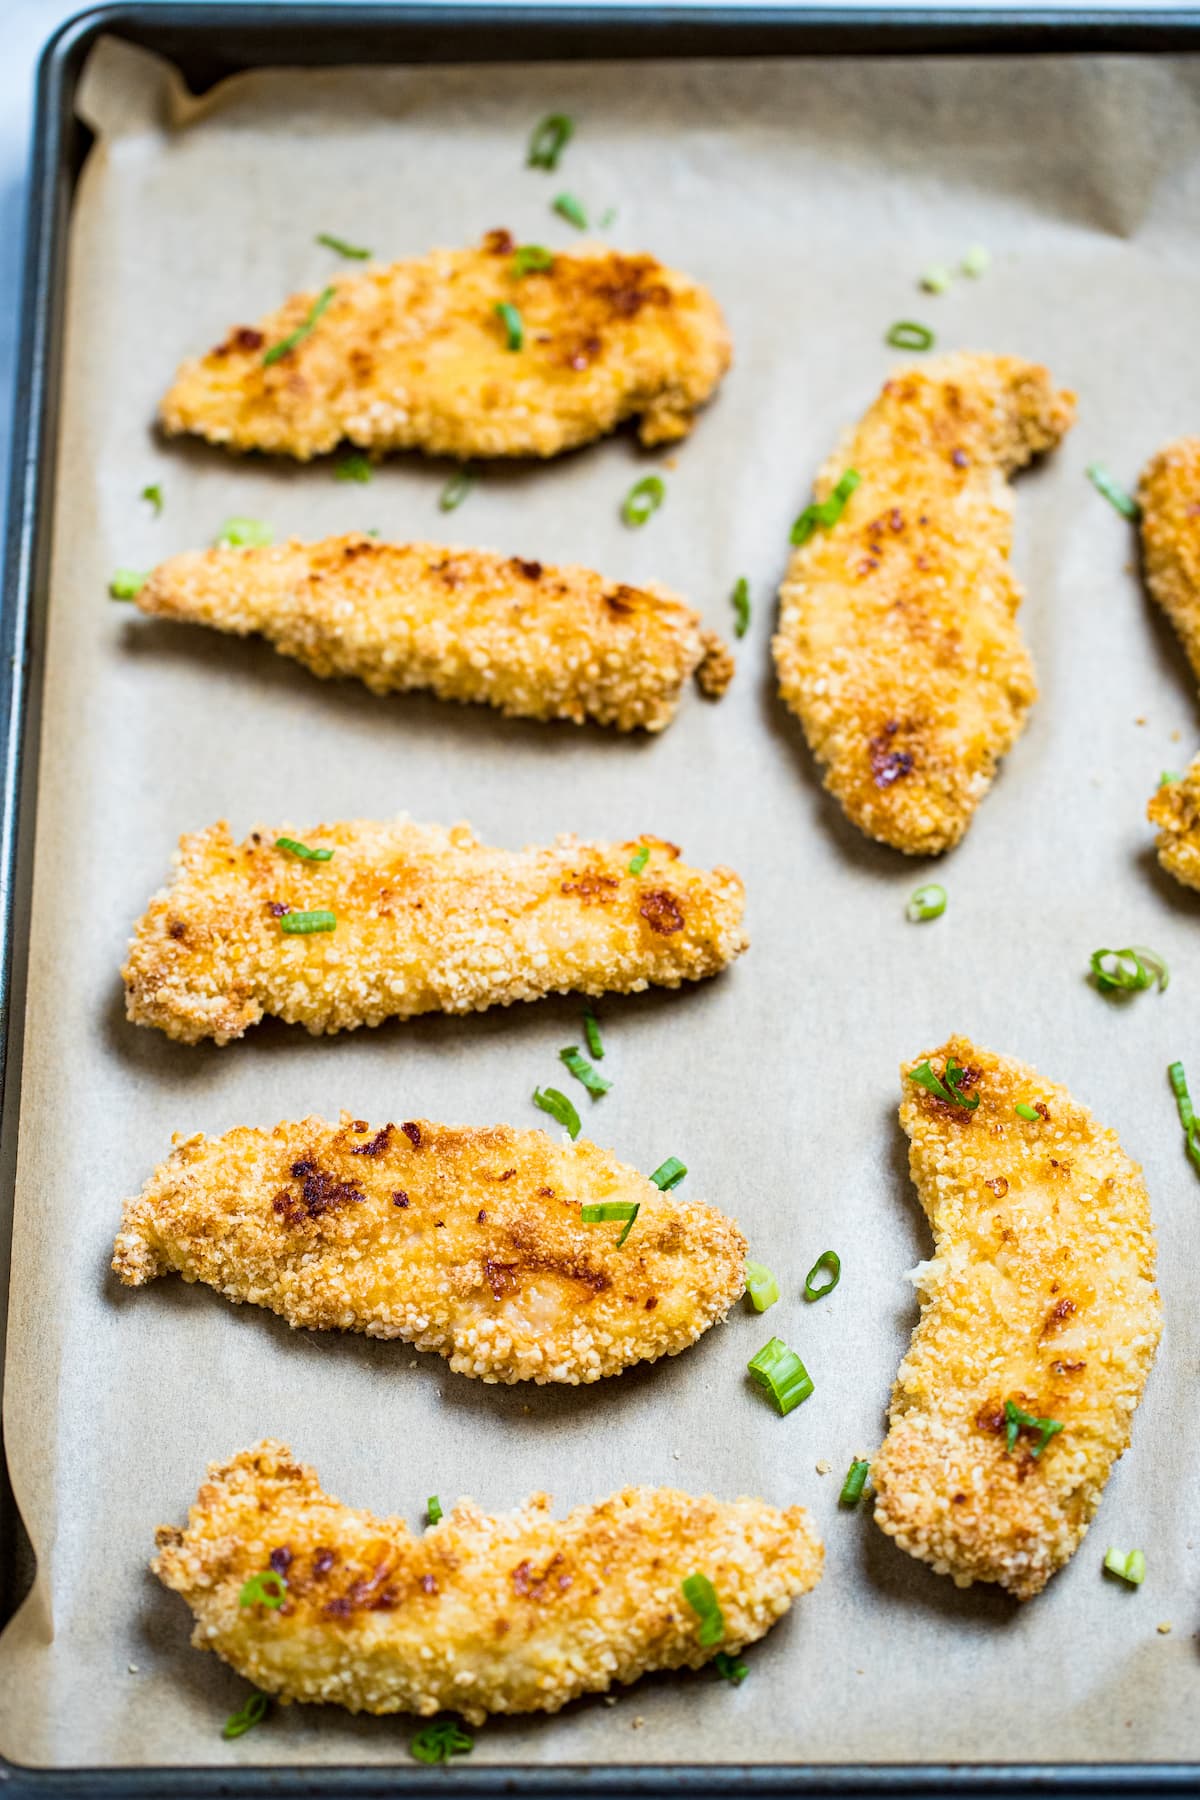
column 1023, row 1110
column 267, row 1588
column 355, row 467
column 1169, row 777
column 433, row 1509
column 245, row 534
column 304, row 851
column 780, row 1371
column 354, row 251
column 1017, row 1421
column 302, row 924
column 936, row 280
column 606, row 218
column 928, row 902
column 1135, row 968
column 730, row 1668
column 639, row 859
column 591, row 1030
column 605, row 1211
column 438, row 1742
column 154, row 494
column 831, row 1263
column 513, row 325
column 531, row 259
column 1113, row 492
column 827, row 512
column 1187, row 1114
column 127, row 584
column 559, row 1107
column 855, row 1482
column 583, row 1071
column 550, row 138
column 306, row 327
column 1130, row 1565
column 741, row 606
column 644, row 498
column 457, row 489
column 251, row 1712
column 906, row 334
column 977, row 260
column 701, row 1596
column 668, row 1175
column 761, row 1286
column 944, row 1088
column 570, row 209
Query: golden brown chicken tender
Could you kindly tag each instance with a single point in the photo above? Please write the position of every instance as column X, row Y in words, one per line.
column 1175, row 809
column 416, row 356
column 483, row 1613
column 1169, row 494
column 420, row 919
column 1039, row 1323
column 536, row 641
column 897, row 646
column 468, row 1242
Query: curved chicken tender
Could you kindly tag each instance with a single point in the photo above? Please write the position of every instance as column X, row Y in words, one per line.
column 1169, row 493
column 535, row 641
column 415, row 356
column 1175, row 809
column 468, row 1242
column 511, row 1613
column 1040, row 1292
column 897, row 646
column 428, row 920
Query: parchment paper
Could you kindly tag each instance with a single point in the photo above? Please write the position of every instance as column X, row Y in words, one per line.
column 809, row 195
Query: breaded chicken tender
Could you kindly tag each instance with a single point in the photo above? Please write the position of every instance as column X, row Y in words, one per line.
column 482, row 1613
column 424, row 919
column 1175, row 809
column 468, row 1242
column 417, row 356
column 1169, row 494
column 897, row 646
column 537, row 642
column 1039, row 1301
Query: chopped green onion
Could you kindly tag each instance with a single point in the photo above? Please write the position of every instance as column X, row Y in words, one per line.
column 456, row 489
column 1187, row 1115
column 583, row 1071
column 355, row 467
column 296, row 848
column 437, row 1743
column 303, row 330
column 531, row 259
column 127, row 584
column 513, row 326
column 267, row 1588
column 946, row 1089
column 780, row 1371
column 831, row 1263
column 976, row 261
column 761, row 1286
column 251, row 1712
column 606, row 217
column 1023, row 1110
column 741, row 606
column 701, row 1596
column 354, row 251
column 1016, row 1421
column 639, row 859
column 1135, row 968
column 928, row 902
column 906, row 334
column 825, row 513
column 549, row 140
column 591, row 1030
column 433, row 1509
column 668, row 1175
column 730, row 1668
column 644, row 497
column 245, row 534
column 936, row 280
column 1169, row 776
column 570, row 209
column 1130, row 1565
column 559, row 1107
column 301, row 924
column 154, row 494
column 855, row 1482
column 1113, row 492
column 608, row 1210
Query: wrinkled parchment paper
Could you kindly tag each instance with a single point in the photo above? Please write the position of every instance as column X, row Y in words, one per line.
column 809, row 196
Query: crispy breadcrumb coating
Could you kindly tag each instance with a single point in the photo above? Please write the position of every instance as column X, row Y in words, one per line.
column 1169, row 494
column 537, row 642
column 897, row 645
column 468, row 1242
column 414, row 356
column 428, row 920
column 482, row 1613
column 1175, row 809
column 1041, row 1292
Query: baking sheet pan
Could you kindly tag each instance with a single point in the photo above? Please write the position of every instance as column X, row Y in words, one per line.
column 808, row 195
